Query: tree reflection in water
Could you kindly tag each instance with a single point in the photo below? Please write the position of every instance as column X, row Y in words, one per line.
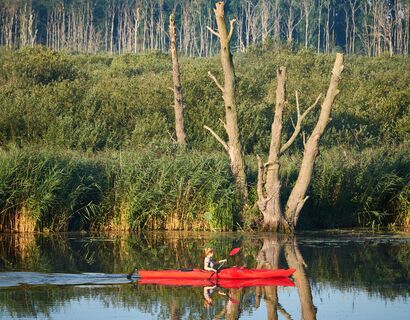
column 268, row 258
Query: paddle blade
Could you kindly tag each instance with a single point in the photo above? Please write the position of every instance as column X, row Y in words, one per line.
column 234, row 251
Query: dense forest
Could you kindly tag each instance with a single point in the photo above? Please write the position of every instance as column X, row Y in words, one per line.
column 368, row 27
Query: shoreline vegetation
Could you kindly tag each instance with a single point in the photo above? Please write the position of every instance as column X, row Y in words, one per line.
column 87, row 143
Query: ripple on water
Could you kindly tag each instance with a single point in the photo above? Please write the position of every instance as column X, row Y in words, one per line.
column 13, row 279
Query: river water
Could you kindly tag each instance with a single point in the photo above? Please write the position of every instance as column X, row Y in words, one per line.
column 339, row 275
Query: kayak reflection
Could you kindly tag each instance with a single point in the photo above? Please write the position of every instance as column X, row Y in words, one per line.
column 221, row 283
column 230, row 290
column 233, row 290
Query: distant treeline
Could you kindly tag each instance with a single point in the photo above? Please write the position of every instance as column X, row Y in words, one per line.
column 87, row 141
column 372, row 27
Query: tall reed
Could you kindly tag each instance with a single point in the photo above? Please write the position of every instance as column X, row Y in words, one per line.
column 114, row 191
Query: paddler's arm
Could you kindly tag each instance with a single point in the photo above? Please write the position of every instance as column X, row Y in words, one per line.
column 210, row 269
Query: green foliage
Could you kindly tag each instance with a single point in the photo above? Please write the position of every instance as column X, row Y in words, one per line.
column 89, row 103
column 92, row 102
column 55, row 189
column 192, row 187
column 39, row 65
column 368, row 187
column 72, row 191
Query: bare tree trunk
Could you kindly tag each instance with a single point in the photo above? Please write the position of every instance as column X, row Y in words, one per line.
column 347, row 29
column 151, row 20
column 176, row 76
column 307, row 8
column 327, row 27
column 32, row 30
column 276, row 23
column 297, row 197
column 406, row 36
column 269, row 185
column 268, row 174
column 265, row 14
column 111, row 11
column 354, row 8
column 233, row 146
column 136, row 27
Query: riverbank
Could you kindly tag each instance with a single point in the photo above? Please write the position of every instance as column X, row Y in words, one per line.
column 179, row 190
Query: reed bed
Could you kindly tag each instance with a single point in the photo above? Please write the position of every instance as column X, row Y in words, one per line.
column 179, row 190
column 114, row 191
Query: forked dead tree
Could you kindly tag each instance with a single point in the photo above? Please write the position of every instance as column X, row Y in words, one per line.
column 269, row 180
column 233, row 146
column 177, row 89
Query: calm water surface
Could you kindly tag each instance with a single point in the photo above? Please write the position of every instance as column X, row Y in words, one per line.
column 340, row 275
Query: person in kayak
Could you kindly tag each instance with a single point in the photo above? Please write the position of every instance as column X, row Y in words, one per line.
column 209, row 263
column 208, row 292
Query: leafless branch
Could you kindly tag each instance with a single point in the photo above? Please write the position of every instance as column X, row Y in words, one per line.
column 231, row 28
column 213, row 32
column 299, row 121
column 220, row 140
column 261, row 178
column 171, row 137
column 216, row 81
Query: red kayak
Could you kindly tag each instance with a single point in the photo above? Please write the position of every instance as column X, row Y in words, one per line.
column 228, row 273
column 222, row 283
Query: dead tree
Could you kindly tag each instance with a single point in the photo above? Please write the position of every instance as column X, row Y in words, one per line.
column 233, row 146
column 269, row 182
column 177, row 89
column 307, row 8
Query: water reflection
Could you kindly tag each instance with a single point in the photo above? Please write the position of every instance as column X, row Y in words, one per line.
column 268, row 258
column 326, row 266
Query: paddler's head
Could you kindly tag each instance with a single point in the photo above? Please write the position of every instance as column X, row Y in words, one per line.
column 209, row 252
